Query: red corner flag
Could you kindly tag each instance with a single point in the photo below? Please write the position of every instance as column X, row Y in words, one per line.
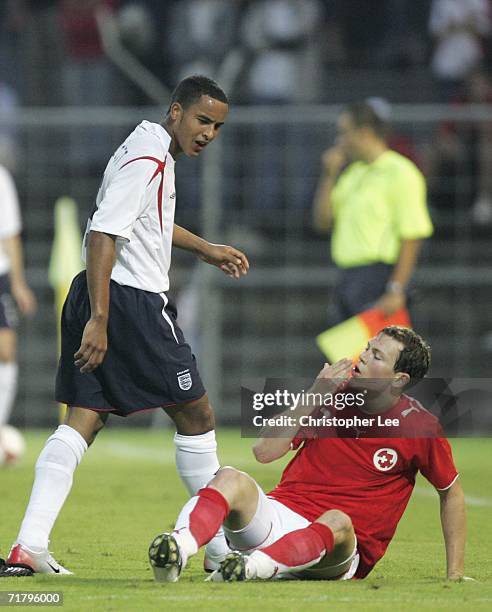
column 349, row 338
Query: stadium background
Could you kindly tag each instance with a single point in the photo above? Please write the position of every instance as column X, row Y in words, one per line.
column 67, row 100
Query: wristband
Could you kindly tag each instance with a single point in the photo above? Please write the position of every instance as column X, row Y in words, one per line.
column 394, row 287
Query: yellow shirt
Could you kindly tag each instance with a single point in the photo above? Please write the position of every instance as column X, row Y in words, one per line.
column 376, row 206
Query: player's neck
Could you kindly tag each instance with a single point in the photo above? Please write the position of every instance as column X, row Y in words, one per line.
column 380, row 403
column 174, row 149
column 376, row 150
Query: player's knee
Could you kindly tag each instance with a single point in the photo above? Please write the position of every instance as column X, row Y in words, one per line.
column 339, row 522
column 193, row 418
column 231, row 482
column 7, row 349
column 97, row 428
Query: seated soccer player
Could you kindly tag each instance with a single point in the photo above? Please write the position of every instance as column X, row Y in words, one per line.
column 339, row 500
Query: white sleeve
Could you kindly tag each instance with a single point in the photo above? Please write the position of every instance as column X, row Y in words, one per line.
column 10, row 224
column 124, row 198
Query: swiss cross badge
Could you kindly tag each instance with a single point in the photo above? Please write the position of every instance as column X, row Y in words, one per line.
column 384, row 459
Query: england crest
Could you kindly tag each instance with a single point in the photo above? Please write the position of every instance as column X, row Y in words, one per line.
column 184, row 380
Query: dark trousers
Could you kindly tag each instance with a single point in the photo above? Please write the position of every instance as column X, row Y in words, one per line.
column 359, row 288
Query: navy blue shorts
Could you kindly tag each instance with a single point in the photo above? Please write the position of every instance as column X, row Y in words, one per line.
column 148, row 363
column 8, row 311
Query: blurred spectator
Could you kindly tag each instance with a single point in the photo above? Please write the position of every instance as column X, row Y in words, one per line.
column 40, row 50
column 279, row 36
column 282, row 46
column 363, row 26
column 143, row 28
column 404, row 42
column 199, row 35
column 87, row 73
column 459, row 28
column 87, row 79
column 8, row 127
column 460, row 161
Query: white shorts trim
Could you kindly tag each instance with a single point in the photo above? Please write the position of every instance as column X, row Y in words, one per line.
column 166, row 316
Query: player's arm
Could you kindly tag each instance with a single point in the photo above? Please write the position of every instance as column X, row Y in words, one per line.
column 453, row 523
column 231, row 261
column 22, row 294
column 394, row 297
column 101, row 252
column 274, row 442
column 332, row 162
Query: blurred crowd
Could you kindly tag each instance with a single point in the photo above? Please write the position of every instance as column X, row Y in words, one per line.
column 270, row 50
column 265, row 52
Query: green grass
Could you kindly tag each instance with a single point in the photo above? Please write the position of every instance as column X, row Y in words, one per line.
column 126, row 491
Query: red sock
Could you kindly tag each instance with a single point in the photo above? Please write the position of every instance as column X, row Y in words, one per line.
column 302, row 546
column 208, row 515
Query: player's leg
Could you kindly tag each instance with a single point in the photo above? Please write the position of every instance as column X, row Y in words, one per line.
column 54, row 470
column 231, row 498
column 331, row 538
column 196, row 447
column 8, row 371
column 196, row 459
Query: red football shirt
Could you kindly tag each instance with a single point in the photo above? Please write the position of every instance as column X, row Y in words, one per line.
column 370, row 479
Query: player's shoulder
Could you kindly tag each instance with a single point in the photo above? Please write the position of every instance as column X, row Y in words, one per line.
column 401, row 165
column 414, row 416
column 148, row 139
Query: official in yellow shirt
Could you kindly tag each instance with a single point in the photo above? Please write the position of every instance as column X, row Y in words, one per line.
column 374, row 201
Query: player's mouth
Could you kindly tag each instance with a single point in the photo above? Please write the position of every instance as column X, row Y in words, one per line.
column 355, row 371
column 199, row 145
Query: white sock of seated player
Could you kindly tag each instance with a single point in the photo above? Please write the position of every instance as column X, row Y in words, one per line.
column 197, row 463
column 8, row 387
column 54, row 470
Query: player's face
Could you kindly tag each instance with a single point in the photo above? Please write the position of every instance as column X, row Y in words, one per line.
column 379, row 358
column 348, row 136
column 198, row 125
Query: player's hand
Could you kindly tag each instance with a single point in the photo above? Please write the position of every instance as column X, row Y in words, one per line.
column 334, row 377
column 231, row 261
column 333, row 160
column 390, row 302
column 24, row 298
column 93, row 346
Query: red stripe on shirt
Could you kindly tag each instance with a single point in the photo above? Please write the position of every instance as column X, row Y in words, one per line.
column 161, row 164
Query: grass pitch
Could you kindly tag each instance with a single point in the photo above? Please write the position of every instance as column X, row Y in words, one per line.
column 126, row 491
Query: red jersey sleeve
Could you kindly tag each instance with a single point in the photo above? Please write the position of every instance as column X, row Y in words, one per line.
column 437, row 464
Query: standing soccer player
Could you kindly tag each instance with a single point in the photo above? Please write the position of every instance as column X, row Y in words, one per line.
column 14, row 291
column 122, row 350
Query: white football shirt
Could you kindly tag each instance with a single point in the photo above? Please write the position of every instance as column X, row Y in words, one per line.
column 136, row 203
column 10, row 221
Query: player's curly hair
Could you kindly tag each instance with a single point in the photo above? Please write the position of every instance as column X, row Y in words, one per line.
column 415, row 357
column 191, row 89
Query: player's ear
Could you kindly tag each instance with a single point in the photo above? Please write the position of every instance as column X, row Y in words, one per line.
column 176, row 111
column 401, row 380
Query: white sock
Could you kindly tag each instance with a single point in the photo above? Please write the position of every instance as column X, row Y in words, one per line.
column 196, row 459
column 55, row 466
column 8, row 387
column 197, row 464
column 259, row 565
column 182, row 533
